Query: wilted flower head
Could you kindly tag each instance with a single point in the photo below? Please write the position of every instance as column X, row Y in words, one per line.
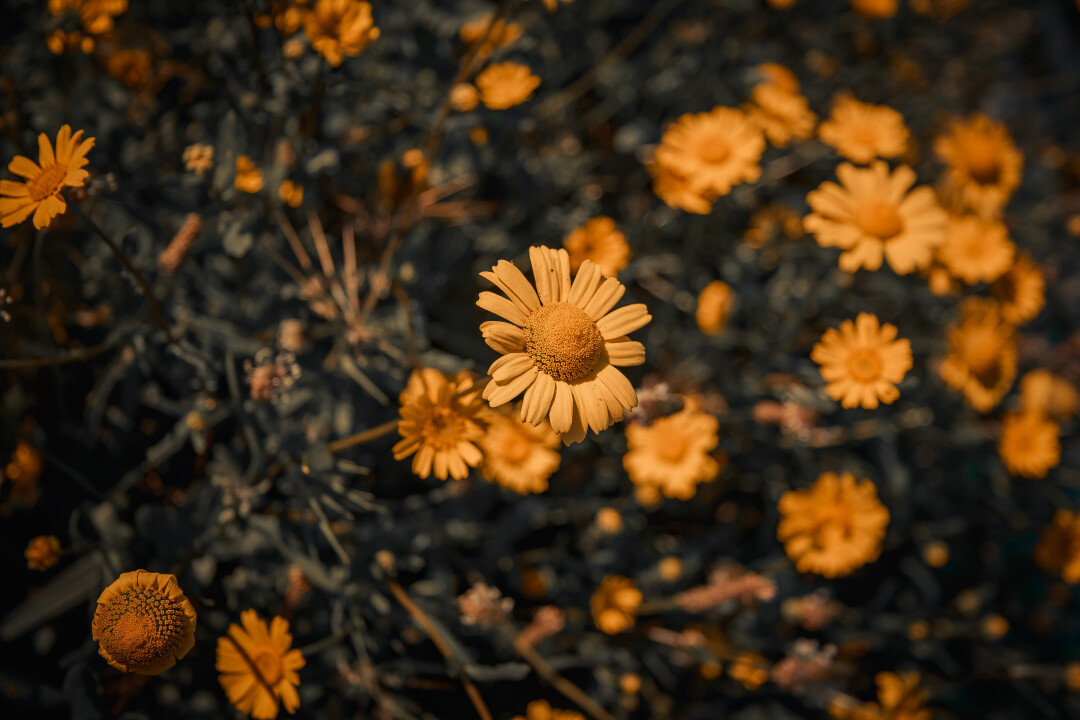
column 982, row 354
column 562, row 345
column 257, row 667
column 442, row 420
column 862, row 132
column 862, row 362
column 504, row 85
column 144, row 623
column 728, row 582
column 655, row 401
column 178, row 247
column 1029, row 444
column 834, row 526
column 41, row 194
column 248, row 178
column 874, row 215
column 1048, row 394
column 270, row 375
column 807, row 664
column 340, row 28
column 783, row 115
column 614, row 604
column 484, row 605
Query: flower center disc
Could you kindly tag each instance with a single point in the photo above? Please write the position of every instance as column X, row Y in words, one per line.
column 268, row 663
column 46, row 182
column 879, row 219
column 715, row 151
column 563, row 341
column 143, row 626
column 864, row 365
column 444, row 428
column 983, row 163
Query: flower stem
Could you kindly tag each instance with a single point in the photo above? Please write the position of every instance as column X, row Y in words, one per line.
column 159, row 316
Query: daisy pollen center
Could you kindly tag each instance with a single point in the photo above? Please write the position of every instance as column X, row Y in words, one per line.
column 268, row 663
column 46, row 182
column 141, row 627
column 865, row 365
column 879, row 219
column 563, row 341
column 715, row 151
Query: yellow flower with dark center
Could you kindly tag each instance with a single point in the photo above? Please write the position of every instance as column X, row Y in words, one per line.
column 42, row 552
column 614, row 604
column 542, row 710
column 834, row 526
column 871, row 215
column 598, row 240
column 340, row 28
column 1049, row 395
column 249, row 178
column 984, row 165
column 144, row 623
column 504, row 85
column 517, row 455
column 1058, row 551
column 976, row 249
column 714, row 307
column 291, row 193
column 1029, row 444
column 862, row 362
column 711, row 152
column 782, row 115
column 41, row 193
column 563, row 344
column 875, row 9
column 982, row 354
column 862, row 132
column 672, row 455
column 442, row 420
column 258, row 670
column 1021, row 291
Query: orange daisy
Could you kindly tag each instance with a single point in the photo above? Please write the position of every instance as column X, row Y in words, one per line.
column 984, row 165
column 563, row 344
column 672, row 456
column 1021, row 291
column 1029, row 444
column 862, row 362
column 504, row 85
column 862, row 132
column 1058, row 551
column 976, row 249
column 982, row 354
column 601, row 241
column 258, row 670
column 41, row 195
column 871, row 215
column 782, row 115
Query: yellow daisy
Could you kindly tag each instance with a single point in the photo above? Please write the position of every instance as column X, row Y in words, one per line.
column 1021, row 291
column 713, row 151
column 517, row 455
column 871, row 215
column 782, row 115
column 504, row 85
column 1029, row 444
column 442, row 420
column 42, row 552
column 1048, row 394
column 862, row 362
column 249, row 178
column 976, row 249
column 258, row 670
column 875, row 9
column 41, row 194
column 601, row 241
column 984, row 165
column 863, row 132
column 143, row 623
column 615, row 604
column 562, row 345
column 339, row 28
column 982, row 354
column 672, row 455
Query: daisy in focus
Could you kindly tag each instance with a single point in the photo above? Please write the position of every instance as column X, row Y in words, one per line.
column 40, row 194
column 1049, row 395
column 714, row 307
column 704, row 155
column 874, row 215
column 563, row 344
column 258, row 668
column 143, row 623
column 863, row 132
column 517, row 455
column 442, row 420
column 672, row 456
column 983, row 164
column 833, row 527
column 982, row 354
column 862, row 362
column 601, row 241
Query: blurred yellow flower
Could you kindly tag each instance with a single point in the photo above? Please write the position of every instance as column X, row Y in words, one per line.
column 249, row 178
column 198, row 158
column 862, row 362
column 900, row 699
column 600, row 241
column 875, row 9
column 1058, row 551
column 1048, row 394
column 517, row 455
column 750, row 669
column 257, row 668
column 464, row 97
column 41, row 195
column 714, row 307
column 96, row 16
column 291, row 193
column 542, row 710
column 781, row 114
column 677, row 192
column 1021, row 291
column 834, row 526
column 982, row 354
column 504, row 85
column 144, row 623
column 862, row 132
column 976, row 249
column 778, row 75
column 984, row 165
column 672, row 455
column 710, row 152
column 339, row 28
column 42, row 552
column 871, row 215
column 1029, row 444
column 563, row 344
column 614, row 604
column 442, row 420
